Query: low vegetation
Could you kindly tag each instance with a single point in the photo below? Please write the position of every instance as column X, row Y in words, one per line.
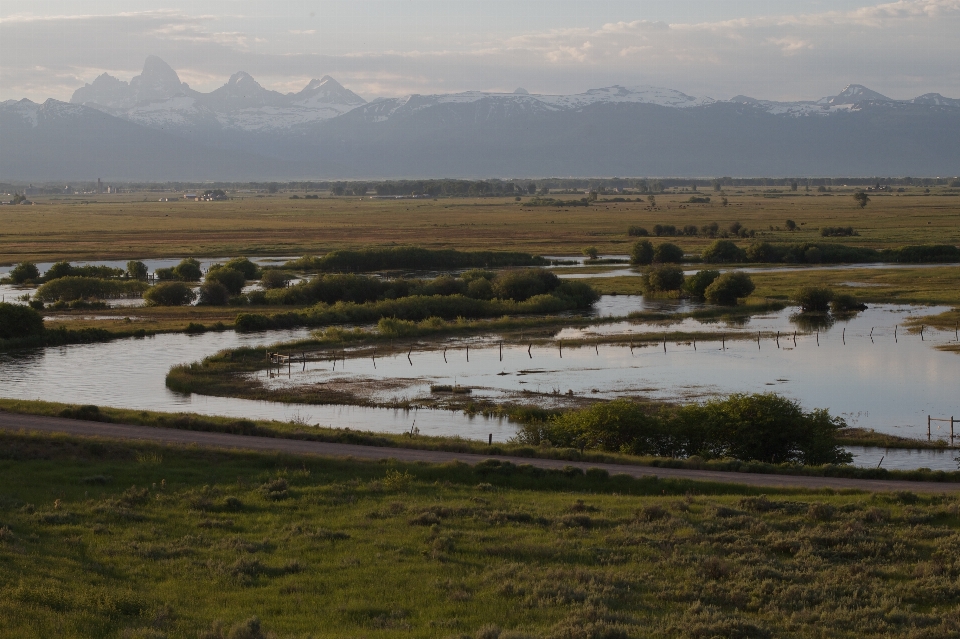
column 411, row 257
column 108, row 539
column 72, row 287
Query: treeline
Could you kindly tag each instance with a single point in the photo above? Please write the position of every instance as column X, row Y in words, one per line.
column 411, row 257
column 763, row 427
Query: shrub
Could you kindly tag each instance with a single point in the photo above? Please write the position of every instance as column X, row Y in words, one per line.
column 411, row 257
column 791, row 225
column 814, row 299
column 923, row 253
column 696, row 286
column 213, row 293
column 728, row 288
column 591, row 252
column 698, row 200
column 837, row 231
column 663, row 278
column 137, row 270
column 763, row 252
column 393, row 327
column 642, row 253
column 19, row 321
column 230, row 279
column 710, row 230
column 846, row 303
column 83, row 288
column 24, row 272
column 250, row 270
column 664, row 229
column 275, row 279
column 521, row 285
column 723, row 251
column 65, row 269
column 480, row 289
column 169, row 294
column 637, row 231
column 668, row 253
column 187, row 270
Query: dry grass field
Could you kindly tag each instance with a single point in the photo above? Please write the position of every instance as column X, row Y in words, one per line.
column 129, row 226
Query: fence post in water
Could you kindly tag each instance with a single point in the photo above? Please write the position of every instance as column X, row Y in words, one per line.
column 694, row 343
column 794, row 339
column 895, row 341
column 596, row 346
column 778, row 339
column 561, row 349
column 468, row 353
column 723, row 341
column 528, row 350
column 408, row 356
column 501, row 350
column 845, row 336
column 951, row 430
column 818, row 337
column 444, row 355
column 490, row 439
column 921, row 332
column 758, row 340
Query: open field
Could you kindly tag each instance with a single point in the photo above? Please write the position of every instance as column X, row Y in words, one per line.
column 139, row 540
column 124, row 227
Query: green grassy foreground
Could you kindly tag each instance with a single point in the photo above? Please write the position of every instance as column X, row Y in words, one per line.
column 102, row 539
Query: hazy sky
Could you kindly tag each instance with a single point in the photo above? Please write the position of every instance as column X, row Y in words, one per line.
column 782, row 49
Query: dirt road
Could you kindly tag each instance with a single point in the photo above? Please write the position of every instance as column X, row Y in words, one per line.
column 11, row 421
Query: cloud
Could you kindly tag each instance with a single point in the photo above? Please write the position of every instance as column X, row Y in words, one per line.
column 901, row 49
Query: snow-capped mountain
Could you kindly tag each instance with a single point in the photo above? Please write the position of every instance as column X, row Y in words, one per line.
column 156, row 127
column 157, row 98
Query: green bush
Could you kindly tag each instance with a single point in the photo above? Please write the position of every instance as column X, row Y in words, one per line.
column 232, row 280
column 667, row 253
column 846, row 303
column 84, row 288
column 722, row 252
column 275, row 279
column 637, row 231
column 763, row 252
column 728, row 288
column 642, row 253
column 480, row 289
column 520, row 285
column 65, row 269
column 136, row 270
column 169, row 294
column 411, row 257
column 213, row 293
column 24, row 272
column 250, row 270
column 814, row 299
column 696, row 285
column 661, row 279
column 19, row 321
column 762, row 427
column 928, row 253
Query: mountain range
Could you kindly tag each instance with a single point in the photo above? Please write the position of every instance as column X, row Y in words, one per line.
column 155, row 127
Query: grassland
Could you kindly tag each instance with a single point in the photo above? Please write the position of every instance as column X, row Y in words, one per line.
column 101, row 539
column 124, row 227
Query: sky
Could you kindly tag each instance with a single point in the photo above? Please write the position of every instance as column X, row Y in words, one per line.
column 777, row 50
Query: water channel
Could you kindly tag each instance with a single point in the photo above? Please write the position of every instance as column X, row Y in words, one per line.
column 868, row 369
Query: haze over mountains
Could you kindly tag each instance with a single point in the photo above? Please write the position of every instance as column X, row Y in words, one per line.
column 156, row 127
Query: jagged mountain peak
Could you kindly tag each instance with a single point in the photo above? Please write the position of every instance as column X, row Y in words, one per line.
column 326, row 90
column 854, row 93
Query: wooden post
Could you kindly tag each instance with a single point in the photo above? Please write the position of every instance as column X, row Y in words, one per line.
column 778, row 339
column 408, row 356
column 818, row 337
column 895, row 334
column 845, row 336
column 596, row 346
column 468, row 353
column 723, row 341
column 951, row 430
column 758, row 340
column 794, row 339
column 561, row 349
column 444, row 355
column 921, row 332
column 501, row 350
column 928, row 428
column 490, row 439
column 694, row 343
column 528, row 350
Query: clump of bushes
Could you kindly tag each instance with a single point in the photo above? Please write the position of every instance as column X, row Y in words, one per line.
column 211, row 293
column 66, row 269
column 230, row 279
column 24, row 272
column 72, row 287
column 411, row 257
column 187, row 270
column 169, row 294
column 663, row 279
column 814, row 299
column 696, row 285
column 642, row 253
column 722, row 252
column 728, row 288
column 275, row 278
column 763, row 427
column 637, row 231
column 837, row 231
column 18, row 321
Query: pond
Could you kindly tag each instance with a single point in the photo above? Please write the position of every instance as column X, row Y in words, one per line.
column 889, row 383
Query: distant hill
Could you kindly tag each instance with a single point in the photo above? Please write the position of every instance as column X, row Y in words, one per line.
column 156, row 127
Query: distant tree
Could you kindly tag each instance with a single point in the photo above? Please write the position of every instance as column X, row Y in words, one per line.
column 728, row 288
column 717, row 186
column 861, row 198
column 791, row 225
column 814, row 299
column 169, row 294
column 723, row 201
column 664, row 278
column 735, row 228
column 273, row 187
column 652, row 200
column 545, row 191
column 213, row 294
column 668, row 253
column 696, row 285
column 23, row 272
column 187, row 270
column 360, row 188
column 710, row 230
column 642, row 253
column 231, row 279
column 338, row 189
column 723, row 251
column 794, row 186
column 532, row 188
column 136, row 270
column 591, row 252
